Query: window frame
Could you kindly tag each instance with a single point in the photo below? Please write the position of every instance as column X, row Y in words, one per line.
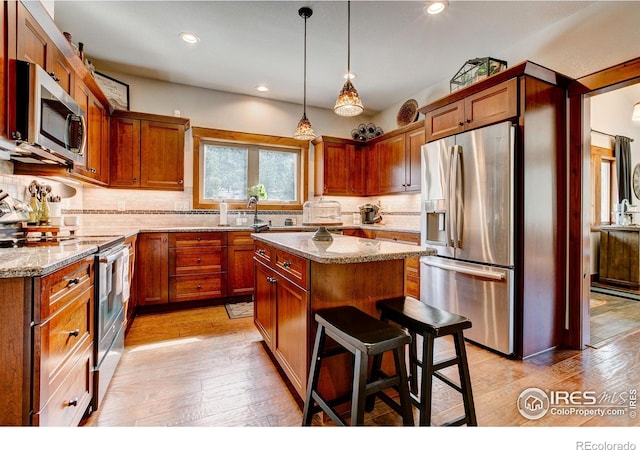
column 598, row 155
column 202, row 136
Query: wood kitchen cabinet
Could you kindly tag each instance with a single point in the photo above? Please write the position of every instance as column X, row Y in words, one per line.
column 620, row 256
column 197, row 266
column 147, row 151
column 339, row 167
column 96, row 165
column 47, row 376
column 152, row 268
column 281, row 303
column 240, row 274
column 130, row 306
column 492, row 105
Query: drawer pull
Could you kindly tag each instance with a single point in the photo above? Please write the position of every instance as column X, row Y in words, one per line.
column 73, row 402
column 198, row 260
column 261, row 252
column 271, row 280
column 73, row 281
column 199, row 286
column 74, row 333
column 286, row 264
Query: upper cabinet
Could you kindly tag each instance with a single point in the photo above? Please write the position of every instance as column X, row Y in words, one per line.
column 388, row 164
column 492, row 105
column 339, row 167
column 147, row 151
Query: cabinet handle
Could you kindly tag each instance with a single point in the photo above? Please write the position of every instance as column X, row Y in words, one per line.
column 180, row 181
column 199, row 287
column 72, row 281
column 468, row 120
column 198, row 238
column 53, row 75
column 73, row 402
column 271, row 280
column 286, row 264
column 74, row 333
column 135, row 179
column 198, row 260
column 164, row 240
column 92, row 170
column 460, row 124
column 261, row 252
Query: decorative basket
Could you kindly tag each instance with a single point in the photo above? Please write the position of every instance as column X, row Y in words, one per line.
column 475, row 70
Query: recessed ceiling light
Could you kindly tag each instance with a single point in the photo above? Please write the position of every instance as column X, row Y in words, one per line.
column 350, row 75
column 189, row 38
column 435, row 7
column 262, row 88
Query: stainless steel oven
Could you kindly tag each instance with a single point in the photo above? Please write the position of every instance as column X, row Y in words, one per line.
column 110, row 293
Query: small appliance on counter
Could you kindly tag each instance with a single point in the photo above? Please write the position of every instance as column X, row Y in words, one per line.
column 322, row 213
column 370, row 214
column 12, row 213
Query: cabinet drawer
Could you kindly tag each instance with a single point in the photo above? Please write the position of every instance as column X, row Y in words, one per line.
column 412, row 266
column 215, row 238
column 263, row 252
column 58, row 341
column 191, row 260
column 61, row 287
column 405, row 238
column 66, row 406
column 412, row 286
column 239, row 238
column 184, row 288
column 291, row 266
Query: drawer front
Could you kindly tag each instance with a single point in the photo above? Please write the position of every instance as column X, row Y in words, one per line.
column 396, row 236
column 63, row 286
column 185, row 288
column 58, row 340
column 192, row 260
column 263, row 252
column 239, row 238
column 66, row 406
column 293, row 267
column 214, row 238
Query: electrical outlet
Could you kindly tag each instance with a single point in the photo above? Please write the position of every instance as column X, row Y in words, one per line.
column 121, row 205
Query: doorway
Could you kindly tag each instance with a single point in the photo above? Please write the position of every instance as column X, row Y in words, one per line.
column 610, row 308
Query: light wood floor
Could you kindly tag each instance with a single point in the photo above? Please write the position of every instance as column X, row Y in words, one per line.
column 611, row 317
column 199, row 368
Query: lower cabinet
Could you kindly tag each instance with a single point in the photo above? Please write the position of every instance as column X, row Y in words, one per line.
column 240, row 263
column 152, row 268
column 281, row 315
column 620, row 257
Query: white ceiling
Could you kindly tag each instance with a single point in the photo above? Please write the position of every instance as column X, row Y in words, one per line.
column 396, row 50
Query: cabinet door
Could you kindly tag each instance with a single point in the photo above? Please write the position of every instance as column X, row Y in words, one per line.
column 61, row 68
column 356, row 170
column 391, row 157
column 371, row 169
column 492, row 105
column 32, row 41
column 95, row 157
column 415, row 140
column 264, row 303
column 152, row 271
column 161, row 155
column 240, row 272
column 336, row 169
column 292, row 346
column 445, row 121
column 124, row 157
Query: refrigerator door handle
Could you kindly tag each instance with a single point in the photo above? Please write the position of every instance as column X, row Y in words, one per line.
column 450, row 201
column 457, row 195
column 465, row 270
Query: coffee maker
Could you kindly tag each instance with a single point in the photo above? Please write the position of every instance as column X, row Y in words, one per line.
column 370, row 213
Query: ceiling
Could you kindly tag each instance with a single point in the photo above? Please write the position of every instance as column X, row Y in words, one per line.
column 397, row 51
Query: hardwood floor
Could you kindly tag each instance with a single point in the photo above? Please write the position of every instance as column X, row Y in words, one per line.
column 612, row 316
column 198, row 368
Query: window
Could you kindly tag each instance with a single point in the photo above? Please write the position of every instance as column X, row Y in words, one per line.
column 604, row 187
column 227, row 163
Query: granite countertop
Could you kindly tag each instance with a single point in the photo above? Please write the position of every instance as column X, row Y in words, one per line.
column 41, row 260
column 342, row 249
column 621, row 227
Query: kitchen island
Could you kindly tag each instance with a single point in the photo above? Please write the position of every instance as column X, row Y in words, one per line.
column 296, row 276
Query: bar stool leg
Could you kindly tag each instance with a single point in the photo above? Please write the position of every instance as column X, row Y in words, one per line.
column 465, row 380
column 426, row 382
column 413, row 364
column 359, row 388
column 403, row 388
column 314, row 374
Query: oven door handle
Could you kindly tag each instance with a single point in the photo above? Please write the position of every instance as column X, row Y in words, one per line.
column 111, row 257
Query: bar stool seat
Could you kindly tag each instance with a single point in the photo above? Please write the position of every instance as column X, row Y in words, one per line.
column 429, row 322
column 363, row 336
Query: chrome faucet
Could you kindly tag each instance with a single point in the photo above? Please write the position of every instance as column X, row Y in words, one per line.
column 253, row 200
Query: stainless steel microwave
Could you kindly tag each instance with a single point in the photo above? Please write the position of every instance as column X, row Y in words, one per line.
column 50, row 127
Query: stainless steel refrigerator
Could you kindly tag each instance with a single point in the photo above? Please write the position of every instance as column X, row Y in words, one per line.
column 468, row 217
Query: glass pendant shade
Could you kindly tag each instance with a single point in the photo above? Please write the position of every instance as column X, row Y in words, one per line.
column 636, row 112
column 348, row 102
column 304, row 130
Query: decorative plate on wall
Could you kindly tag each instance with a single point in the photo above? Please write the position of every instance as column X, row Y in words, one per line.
column 408, row 113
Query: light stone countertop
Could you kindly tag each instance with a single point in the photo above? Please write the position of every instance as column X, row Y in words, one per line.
column 342, row 249
column 42, row 260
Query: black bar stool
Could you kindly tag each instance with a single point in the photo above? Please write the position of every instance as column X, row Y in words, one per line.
column 431, row 323
column 363, row 336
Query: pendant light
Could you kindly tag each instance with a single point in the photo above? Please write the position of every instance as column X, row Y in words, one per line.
column 348, row 102
column 304, row 130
